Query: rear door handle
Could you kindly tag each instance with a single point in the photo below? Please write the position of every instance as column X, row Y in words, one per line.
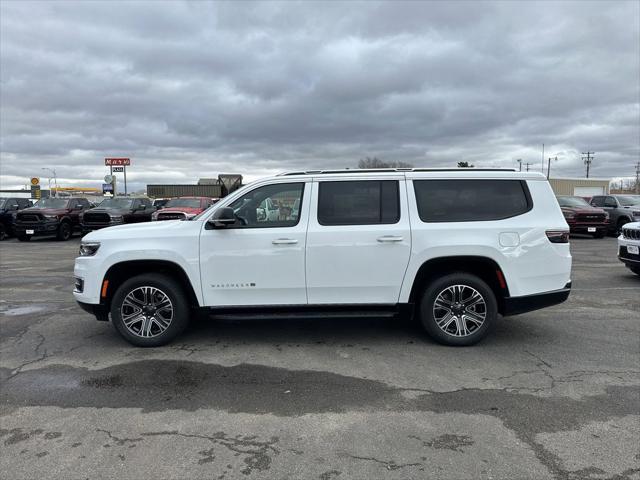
column 284, row 241
column 390, row 239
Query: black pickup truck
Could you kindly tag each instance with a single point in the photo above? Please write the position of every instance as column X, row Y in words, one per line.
column 9, row 208
column 116, row 211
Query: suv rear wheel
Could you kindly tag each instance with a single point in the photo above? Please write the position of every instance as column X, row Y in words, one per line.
column 150, row 310
column 458, row 309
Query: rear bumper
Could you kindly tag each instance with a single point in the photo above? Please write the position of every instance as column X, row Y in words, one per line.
column 529, row 303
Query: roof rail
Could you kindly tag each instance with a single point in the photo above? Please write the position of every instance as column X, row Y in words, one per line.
column 377, row 170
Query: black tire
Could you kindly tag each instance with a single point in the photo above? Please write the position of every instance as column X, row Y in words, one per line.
column 24, row 238
column 621, row 223
column 64, row 231
column 635, row 270
column 167, row 286
column 3, row 232
column 476, row 333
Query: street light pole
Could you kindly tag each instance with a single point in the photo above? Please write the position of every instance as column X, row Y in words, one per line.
column 549, row 166
column 55, row 179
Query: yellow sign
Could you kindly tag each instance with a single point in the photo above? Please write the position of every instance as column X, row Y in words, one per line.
column 35, row 181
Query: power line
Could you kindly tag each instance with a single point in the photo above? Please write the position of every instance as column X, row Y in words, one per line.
column 587, row 158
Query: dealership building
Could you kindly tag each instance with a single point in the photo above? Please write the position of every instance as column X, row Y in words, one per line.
column 581, row 187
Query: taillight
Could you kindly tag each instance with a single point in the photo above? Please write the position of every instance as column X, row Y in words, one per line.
column 558, row 236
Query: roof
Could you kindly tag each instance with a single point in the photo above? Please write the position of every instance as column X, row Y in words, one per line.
column 380, row 170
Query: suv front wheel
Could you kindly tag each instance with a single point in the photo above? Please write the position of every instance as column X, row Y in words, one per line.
column 458, row 309
column 150, row 310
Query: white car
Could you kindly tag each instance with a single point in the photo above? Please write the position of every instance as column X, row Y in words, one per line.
column 454, row 247
column 629, row 246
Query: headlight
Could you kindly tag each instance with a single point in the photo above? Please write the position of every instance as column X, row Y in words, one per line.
column 116, row 218
column 88, row 249
column 569, row 215
column 51, row 217
column 636, row 214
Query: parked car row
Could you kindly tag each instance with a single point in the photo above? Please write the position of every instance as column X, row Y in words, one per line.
column 600, row 214
column 64, row 216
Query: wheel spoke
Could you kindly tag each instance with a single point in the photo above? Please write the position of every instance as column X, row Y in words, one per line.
column 459, row 310
column 146, row 311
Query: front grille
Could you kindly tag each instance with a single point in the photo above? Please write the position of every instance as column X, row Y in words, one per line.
column 631, row 233
column 29, row 217
column 590, row 217
column 171, row 216
column 96, row 218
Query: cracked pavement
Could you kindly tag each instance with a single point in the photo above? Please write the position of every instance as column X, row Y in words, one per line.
column 550, row 394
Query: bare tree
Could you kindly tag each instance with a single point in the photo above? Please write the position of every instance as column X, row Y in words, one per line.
column 374, row 162
column 465, row 165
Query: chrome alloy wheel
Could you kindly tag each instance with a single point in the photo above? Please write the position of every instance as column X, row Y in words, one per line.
column 459, row 310
column 146, row 311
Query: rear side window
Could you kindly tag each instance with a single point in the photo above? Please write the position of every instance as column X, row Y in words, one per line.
column 365, row 202
column 470, row 200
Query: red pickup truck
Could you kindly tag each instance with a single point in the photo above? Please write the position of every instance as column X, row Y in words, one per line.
column 582, row 217
column 183, row 208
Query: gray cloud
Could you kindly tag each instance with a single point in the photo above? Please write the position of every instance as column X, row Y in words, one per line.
column 191, row 89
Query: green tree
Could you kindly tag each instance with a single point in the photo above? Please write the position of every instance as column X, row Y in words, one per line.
column 374, row 162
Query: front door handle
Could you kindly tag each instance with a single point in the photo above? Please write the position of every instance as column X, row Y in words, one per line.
column 284, row 241
column 390, row 239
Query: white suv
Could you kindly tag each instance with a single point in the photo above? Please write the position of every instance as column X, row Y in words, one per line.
column 457, row 247
column 629, row 246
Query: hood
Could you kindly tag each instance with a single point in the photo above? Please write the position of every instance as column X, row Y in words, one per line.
column 112, row 211
column 583, row 209
column 181, row 210
column 632, row 225
column 154, row 230
column 45, row 211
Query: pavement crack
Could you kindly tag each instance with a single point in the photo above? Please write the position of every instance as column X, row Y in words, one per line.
column 118, row 440
column 388, row 464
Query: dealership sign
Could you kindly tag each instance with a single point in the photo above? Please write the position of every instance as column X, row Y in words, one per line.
column 107, row 188
column 119, row 162
column 117, row 169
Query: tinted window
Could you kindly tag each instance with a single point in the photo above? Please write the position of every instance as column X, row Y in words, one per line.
column 366, row 202
column 610, row 202
column 470, row 200
column 269, row 206
column 597, row 201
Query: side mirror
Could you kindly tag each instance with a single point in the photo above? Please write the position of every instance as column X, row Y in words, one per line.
column 222, row 218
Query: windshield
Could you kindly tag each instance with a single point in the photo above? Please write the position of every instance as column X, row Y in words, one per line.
column 572, row 202
column 51, row 203
column 116, row 203
column 184, row 202
column 628, row 201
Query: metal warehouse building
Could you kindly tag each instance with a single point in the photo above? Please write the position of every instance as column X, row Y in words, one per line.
column 582, row 187
column 206, row 187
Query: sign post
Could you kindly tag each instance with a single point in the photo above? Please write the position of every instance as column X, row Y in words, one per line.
column 118, row 165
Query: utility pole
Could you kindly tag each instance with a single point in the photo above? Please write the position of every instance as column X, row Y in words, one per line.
column 520, row 162
column 527, row 165
column 549, row 166
column 637, row 178
column 542, row 158
column 587, row 158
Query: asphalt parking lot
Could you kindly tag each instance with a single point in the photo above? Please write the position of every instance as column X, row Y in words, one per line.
column 550, row 394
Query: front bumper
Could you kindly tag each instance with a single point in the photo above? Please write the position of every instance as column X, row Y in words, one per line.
column 39, row 228
column 529, row 303
column 100, row 311
column 629, row 259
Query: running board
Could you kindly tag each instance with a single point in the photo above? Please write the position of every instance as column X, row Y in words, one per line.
column 292, row 313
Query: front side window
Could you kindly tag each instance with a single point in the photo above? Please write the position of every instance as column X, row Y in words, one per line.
column 269, row 206
column 470, row 200
column 361, row 202
column 597, row 201
column 611, row 202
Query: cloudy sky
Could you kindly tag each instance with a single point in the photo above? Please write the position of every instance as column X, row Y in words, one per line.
column 192, row 89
